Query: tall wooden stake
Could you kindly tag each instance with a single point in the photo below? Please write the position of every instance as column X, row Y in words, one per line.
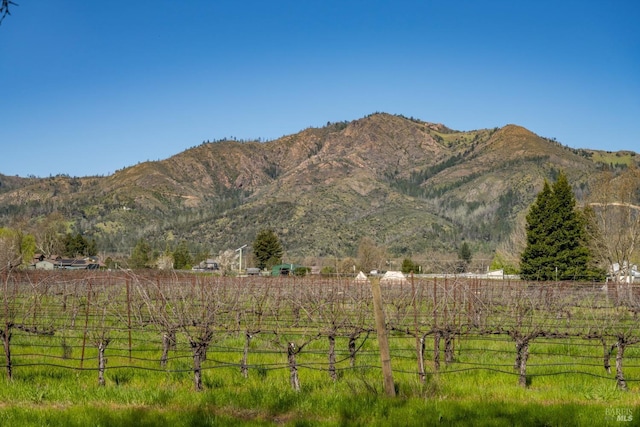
column 129, row 316
column 86, row 324
column 383, row 343
column 419, row 341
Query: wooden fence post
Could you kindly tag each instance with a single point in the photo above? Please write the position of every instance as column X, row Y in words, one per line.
column 129, row 315
column 86, row 324
column 419, row 341
column 383, row 343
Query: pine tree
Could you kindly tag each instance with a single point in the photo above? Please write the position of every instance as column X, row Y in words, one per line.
column 408, row 267
column 181, row 257
column 140, row 256
column 267, row 249
column 77, row 245
column 569, row 236
column 536, row 260
column 464, row 257
column 556, row 238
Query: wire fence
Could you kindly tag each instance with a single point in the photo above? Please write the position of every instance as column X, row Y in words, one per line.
column 190, row 324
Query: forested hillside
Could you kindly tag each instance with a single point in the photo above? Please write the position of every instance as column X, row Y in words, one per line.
column 413, row 187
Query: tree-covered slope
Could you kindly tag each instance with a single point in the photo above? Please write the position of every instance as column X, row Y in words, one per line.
column 412, row 186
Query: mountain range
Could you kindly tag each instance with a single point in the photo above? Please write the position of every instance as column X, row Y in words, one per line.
column 413, row 187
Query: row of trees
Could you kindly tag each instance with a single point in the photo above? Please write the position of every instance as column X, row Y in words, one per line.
column 267, row 252
column 18, row 248
column 143, row 256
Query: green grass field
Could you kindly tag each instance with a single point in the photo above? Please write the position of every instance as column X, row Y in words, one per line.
column 478, row 388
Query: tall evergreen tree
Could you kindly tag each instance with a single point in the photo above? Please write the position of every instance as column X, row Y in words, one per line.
column 568, row 238
column 536, row 260
column 556, row 238
column 77, row 245
column 464, row 257
column 140, row 257
column 267, row 249
column 182, row 257
column 408, row 267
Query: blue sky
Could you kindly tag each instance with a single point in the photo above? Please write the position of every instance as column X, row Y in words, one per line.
column 90, row 87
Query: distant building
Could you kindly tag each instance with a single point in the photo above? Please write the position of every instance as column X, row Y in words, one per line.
column 44, row 264
column 207, row 265
column 76, row 264
column 57, row 263
column 284, row 269
column 495, row 274
column 393, row 277
column 252, row 271
column 625, row 273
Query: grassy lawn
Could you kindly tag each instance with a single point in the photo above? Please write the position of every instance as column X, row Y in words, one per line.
column 260, row 406
column 478, row 388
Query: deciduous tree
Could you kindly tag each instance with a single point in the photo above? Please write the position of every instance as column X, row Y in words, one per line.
column 370, row 255
column 49, row 233
column 613, row 215
column 9, row 249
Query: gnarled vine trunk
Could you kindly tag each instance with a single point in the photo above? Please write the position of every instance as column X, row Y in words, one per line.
column 244, row 369
column 199, row 352
column 620, row 381
column 102, row 361
column 436, row 350
column 293, row 366
column 352, row 348
column 168, row 343
column 522, row 355
column 448, row 347
column 332, row 356
column 6, row 340
column 606, row 354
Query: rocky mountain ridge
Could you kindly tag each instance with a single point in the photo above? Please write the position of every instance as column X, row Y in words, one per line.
column 410, row 185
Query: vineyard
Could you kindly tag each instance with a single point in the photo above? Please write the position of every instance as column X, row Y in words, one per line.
column 109, row 329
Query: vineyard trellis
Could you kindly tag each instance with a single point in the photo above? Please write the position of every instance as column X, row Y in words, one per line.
column 189, row 323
